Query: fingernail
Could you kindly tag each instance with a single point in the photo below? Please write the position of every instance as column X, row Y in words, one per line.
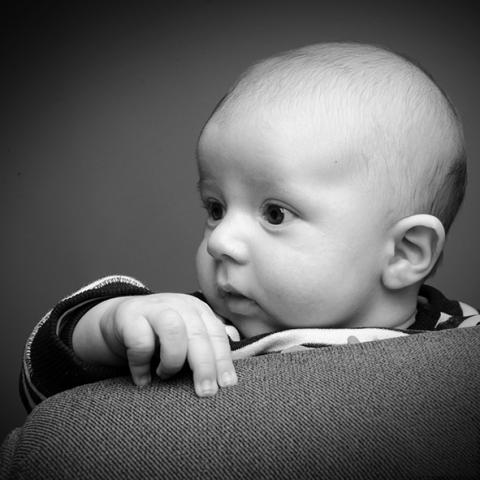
column 161, row 375
column 143, row 380
column 228, row 379
column 207, row 387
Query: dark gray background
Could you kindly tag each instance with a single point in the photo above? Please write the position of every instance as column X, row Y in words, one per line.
column 101, row 105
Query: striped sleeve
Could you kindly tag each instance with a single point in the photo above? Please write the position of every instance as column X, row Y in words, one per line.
column 467, row 316
column 437, row 312
column 49, row 363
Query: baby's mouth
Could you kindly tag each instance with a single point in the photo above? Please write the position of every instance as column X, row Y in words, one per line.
column 227, row 290
column 236, row 302
column 232, row 295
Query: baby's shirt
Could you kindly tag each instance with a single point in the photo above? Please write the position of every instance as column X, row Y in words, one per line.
column 50, row 365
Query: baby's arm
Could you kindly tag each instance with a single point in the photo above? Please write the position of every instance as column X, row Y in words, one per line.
column 127, row 329
column 50, row 365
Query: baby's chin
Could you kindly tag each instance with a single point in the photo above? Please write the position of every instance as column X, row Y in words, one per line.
column 253, row 325
column 245, row 314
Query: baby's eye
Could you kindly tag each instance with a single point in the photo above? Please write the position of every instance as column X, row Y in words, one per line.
column 275, row 214
column 214, row 210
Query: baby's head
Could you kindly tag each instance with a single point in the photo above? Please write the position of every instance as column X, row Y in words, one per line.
column 329, row 174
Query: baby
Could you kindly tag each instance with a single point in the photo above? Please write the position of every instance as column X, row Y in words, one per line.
column 329, row 175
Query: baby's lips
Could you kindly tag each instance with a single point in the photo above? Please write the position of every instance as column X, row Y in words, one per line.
column 227, row 289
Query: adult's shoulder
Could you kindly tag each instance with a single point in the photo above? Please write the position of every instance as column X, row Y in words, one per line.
column 400, row 408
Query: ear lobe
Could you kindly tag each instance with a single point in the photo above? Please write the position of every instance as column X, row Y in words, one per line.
column 417, row 243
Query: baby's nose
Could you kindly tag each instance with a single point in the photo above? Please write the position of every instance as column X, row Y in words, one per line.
column 228, row 241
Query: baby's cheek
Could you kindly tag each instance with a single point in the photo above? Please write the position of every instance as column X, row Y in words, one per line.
column 204, row 267
column 287, row 275
column 285, row 287
column 297, row 293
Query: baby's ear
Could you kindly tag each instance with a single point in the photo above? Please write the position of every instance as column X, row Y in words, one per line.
column 416, row 243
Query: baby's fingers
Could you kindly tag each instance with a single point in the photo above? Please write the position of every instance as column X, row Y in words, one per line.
column 201, row 359
column 226, row 375
column 139, row 340
column 170, row 329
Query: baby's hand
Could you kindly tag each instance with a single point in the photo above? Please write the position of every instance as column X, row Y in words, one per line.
column 186, row 330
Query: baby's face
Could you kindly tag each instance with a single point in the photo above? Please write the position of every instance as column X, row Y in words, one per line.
column 293, row 237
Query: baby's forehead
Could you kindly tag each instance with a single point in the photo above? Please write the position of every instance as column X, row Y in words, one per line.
column 325, row 121
column 278, row 148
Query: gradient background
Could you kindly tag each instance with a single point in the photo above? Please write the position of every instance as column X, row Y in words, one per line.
column 101, row 105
